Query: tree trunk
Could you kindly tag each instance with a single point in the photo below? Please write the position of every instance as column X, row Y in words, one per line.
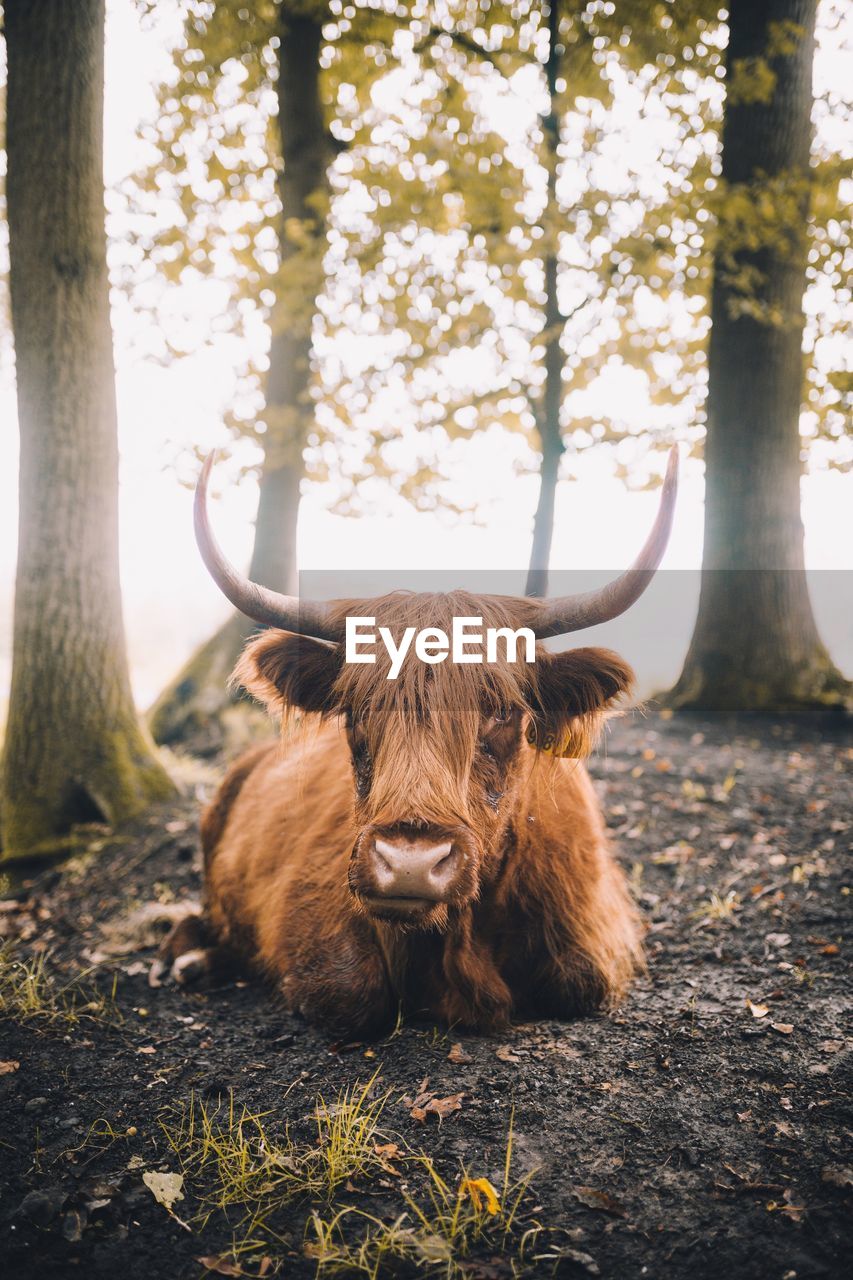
column 755, row 646
column 195, row 709
column 548, row 415
column 74, row 748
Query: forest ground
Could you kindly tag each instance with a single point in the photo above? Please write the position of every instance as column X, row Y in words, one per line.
column 702, row 1131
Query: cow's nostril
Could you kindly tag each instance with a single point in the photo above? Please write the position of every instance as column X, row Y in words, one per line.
column 445, row 866
column 384, row 865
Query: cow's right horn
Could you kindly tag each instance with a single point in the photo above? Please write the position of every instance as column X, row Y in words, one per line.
column 305, row 618
column 573, row 613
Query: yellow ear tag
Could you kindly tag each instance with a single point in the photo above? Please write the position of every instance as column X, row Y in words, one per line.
column 569, row 749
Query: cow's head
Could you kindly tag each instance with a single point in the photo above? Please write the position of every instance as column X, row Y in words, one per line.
column 438, row 754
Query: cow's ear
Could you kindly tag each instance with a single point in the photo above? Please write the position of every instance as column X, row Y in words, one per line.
column 570, row 695
column 284, row 670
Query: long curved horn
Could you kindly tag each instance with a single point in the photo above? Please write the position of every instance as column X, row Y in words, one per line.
column 274, row 610
column 572, row 613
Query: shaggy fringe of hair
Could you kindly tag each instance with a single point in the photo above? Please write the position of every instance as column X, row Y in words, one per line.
column 426, row 723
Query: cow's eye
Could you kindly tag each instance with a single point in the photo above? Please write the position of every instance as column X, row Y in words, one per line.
column 362, row 767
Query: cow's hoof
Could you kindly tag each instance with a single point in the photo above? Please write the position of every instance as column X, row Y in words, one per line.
column 192, row 967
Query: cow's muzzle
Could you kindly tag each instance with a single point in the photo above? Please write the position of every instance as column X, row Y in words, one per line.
column 401, row 874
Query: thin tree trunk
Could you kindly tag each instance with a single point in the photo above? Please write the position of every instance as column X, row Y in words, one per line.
column 548, row 415
column 304, row 188
column 196, row 707
column 74, row 747
column 755, row 646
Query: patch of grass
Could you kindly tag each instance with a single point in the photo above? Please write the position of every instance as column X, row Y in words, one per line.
column 244, row 1162
column 439, row 1231
column 719, row 908
column 29, row 992
column 346, row 1137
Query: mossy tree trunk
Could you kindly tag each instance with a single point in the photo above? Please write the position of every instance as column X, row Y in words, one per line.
column 755, row 647
column 548, row 412
column 74, row 748
column 191, row 709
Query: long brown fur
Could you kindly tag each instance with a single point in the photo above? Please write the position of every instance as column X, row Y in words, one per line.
column 541, row 922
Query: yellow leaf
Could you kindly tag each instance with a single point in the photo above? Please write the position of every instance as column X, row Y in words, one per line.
column 166, row 1188
column 757, row 1010
column 481, row 1190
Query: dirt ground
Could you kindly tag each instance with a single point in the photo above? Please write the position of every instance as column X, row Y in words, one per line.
column 702, row 1131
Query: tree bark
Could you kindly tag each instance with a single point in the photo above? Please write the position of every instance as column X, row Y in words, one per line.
column 548, row 413
column 74, row 748
column 195, row 708
column 755, row 647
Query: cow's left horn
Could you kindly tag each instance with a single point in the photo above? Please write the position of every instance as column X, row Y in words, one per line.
column 262, row 605
column 572, row 613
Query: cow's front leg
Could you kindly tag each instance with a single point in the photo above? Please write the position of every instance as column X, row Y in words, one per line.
column 341, row 982
column 190, row 955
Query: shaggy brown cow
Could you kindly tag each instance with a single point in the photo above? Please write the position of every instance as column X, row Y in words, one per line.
column 431, row 843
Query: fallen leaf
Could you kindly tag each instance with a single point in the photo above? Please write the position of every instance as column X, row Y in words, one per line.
column 166, row 1188
column 794, row 1211
column 602, row 1200
column 74, row 1223
column 784, row 1028
column 6, row 1068
column 831, row 950
column 385, row 1153
column 831, row 1046
column 430, row 1105
column 836, row 1175
column 506, row 1053
column 346, row 1046
column 431, row 1248
column 480, row 1191
column 146, row 1048
column 220, row 1266
column 457, row 1054
column 757, row 1010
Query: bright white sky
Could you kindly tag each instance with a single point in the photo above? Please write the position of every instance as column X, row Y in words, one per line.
column 170, row 604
